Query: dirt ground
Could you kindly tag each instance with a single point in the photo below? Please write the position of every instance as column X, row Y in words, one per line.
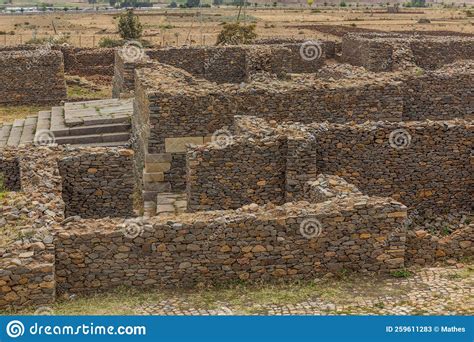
column 191, row 26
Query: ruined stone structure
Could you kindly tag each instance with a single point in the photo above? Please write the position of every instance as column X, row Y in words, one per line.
column 77, row 61
column 288, row 169
column 226, row 64
column 98, row 184
column 388, row 52
column 172, row 108
column 34, row 76
column 422, row 172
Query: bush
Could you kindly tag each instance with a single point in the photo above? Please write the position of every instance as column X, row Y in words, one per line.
column 129, row 26
column 54, row 40
column 193, row 3
column 173, row 4
column 107, row 42
column 234, row 33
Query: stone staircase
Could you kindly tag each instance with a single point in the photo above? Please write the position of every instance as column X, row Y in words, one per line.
column 86, row 123
column 157, row 195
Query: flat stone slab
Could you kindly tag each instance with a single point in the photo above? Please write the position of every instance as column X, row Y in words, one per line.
column 171, row 203
column 98, row 112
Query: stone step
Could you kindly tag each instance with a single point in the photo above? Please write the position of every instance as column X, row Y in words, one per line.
column 153, row 177
column 106, row 144
column 5, row 134
column 157, row 187
column 149, row 208
column 15, row 133
column 93, row 138
column 57, row 122
column 159, row 162
column 44, row 120
column 91, row 130
column 171, row 203
column 97, row 120
column 29, row 129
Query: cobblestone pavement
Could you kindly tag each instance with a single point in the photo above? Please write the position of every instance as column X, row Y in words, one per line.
column 447, row 290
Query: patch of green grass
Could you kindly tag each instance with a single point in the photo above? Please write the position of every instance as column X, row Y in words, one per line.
column 77, row 92
column 10, row 113
column 463, row 273
column 403, row 273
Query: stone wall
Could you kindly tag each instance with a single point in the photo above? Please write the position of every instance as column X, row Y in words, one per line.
column 177, row 108
column 216, row 64
column 446, row 93
column 182, row 106
column 328, row 187
column 98, row 183
column 412, row 162
column 32, row 77
column 27, row 276
column 424, row 248
column 226, row 64
column 252, row 244
column 26, row 248
column 10, row 173
column 123, row 81
column 240, row 172
column 388, row 52
column 427, row 165
column 88, row 61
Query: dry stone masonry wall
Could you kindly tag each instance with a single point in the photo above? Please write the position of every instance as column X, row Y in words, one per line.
column 226, row 64
column 241, row 173
column 10, row 173
column 253, row 244
column 98, row 184
column 388, row 52
column 32, row 77
column 430, row 168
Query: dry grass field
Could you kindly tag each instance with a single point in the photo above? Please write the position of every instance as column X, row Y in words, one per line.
column 192, row 26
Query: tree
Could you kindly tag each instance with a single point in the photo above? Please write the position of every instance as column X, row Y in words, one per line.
column 193, row 3
column 129, row 26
